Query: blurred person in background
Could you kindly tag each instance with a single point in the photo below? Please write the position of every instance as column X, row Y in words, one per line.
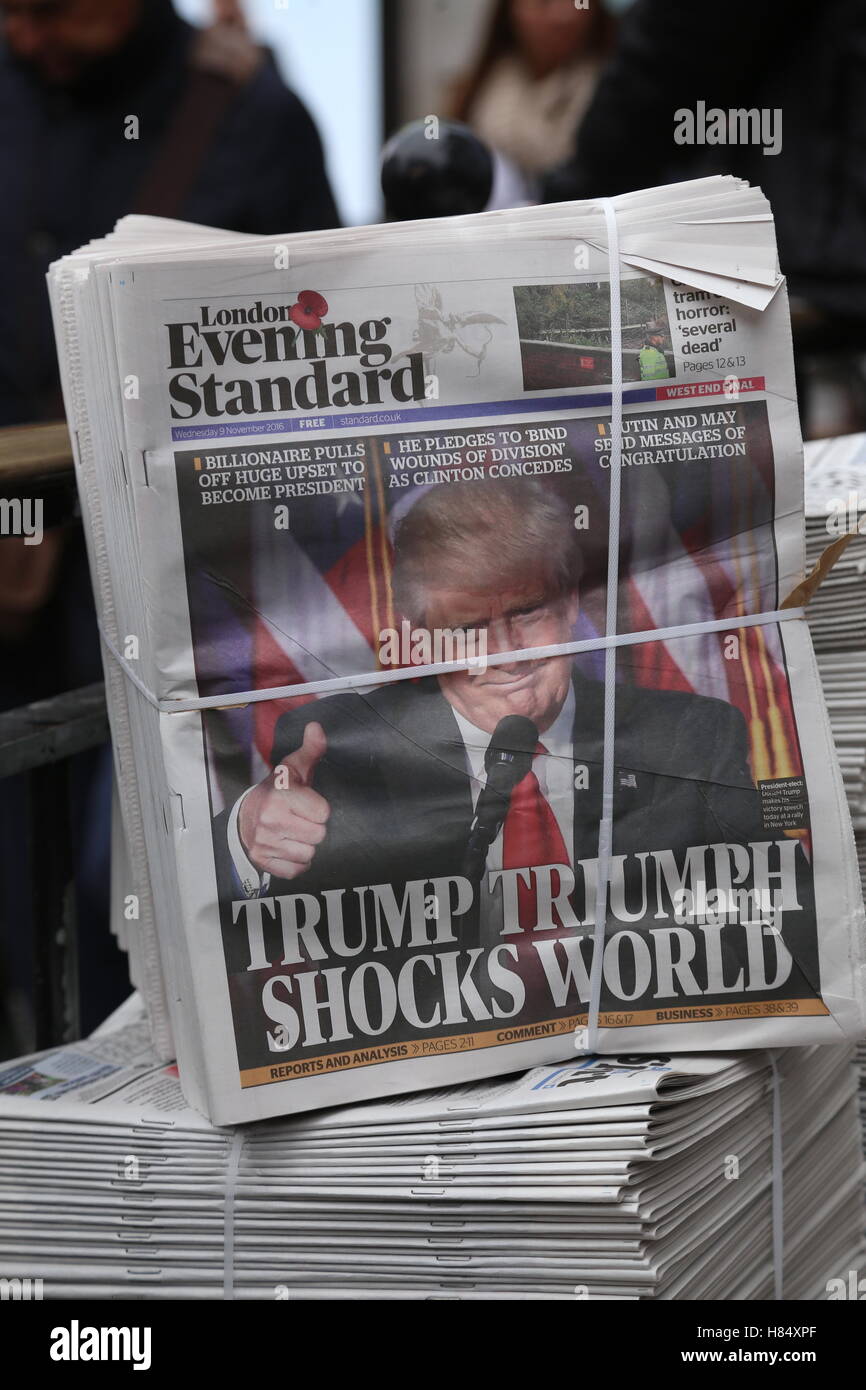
column 804, row 67
column 116, row 106
column 534, row 78
column 109, row 107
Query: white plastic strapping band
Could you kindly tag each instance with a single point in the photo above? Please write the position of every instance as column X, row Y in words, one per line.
column 605, row 827
column 364, row 679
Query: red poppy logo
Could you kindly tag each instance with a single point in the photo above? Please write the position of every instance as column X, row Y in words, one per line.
column 309, row 310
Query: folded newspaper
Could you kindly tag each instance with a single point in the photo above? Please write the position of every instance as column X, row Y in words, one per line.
column 620, row 1178
column 459, row 720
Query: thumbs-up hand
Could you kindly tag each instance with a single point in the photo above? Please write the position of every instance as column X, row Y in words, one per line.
column 282, row 820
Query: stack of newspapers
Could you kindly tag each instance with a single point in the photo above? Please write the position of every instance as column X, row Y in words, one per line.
column 835, row 509
column 460, row 723
column 627, row 1178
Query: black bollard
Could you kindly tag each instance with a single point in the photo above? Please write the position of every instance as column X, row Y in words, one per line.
column 435, row 170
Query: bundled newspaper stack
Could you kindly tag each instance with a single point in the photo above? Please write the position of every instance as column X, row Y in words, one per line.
column 628, row 1178
column 835, row 508
column 459, row 721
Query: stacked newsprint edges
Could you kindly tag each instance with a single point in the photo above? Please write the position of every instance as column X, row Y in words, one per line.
column 332, row 484
column 836, row 507
column 629, row 1178
column 835, row 501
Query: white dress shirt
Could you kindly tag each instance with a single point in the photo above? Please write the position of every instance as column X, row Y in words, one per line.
column 252, row 881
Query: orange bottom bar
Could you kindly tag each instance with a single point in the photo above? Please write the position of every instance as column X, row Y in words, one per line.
column 523, row 1032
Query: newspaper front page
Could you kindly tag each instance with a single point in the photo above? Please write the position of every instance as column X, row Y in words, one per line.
column 366, row 478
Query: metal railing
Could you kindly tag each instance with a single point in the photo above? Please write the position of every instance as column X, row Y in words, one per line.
column 38, row 740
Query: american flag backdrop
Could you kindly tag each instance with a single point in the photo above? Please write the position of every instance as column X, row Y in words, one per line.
column 695, row 545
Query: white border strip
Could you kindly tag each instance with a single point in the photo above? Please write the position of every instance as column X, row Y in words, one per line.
column 362, row 680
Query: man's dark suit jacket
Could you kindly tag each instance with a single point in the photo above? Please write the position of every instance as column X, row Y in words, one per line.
column 395, row 775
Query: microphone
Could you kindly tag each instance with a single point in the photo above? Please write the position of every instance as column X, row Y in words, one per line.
column 506, row 762
column 422, row 177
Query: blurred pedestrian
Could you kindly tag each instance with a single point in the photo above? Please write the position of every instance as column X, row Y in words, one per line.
column 116, row 106
column 534, row 78
column 109, row 107
column 802, row 68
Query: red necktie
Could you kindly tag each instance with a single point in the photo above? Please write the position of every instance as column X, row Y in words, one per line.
column 530, row 837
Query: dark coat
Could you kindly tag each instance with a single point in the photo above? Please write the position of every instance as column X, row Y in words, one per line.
column 68, row 173
column 804, row 59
